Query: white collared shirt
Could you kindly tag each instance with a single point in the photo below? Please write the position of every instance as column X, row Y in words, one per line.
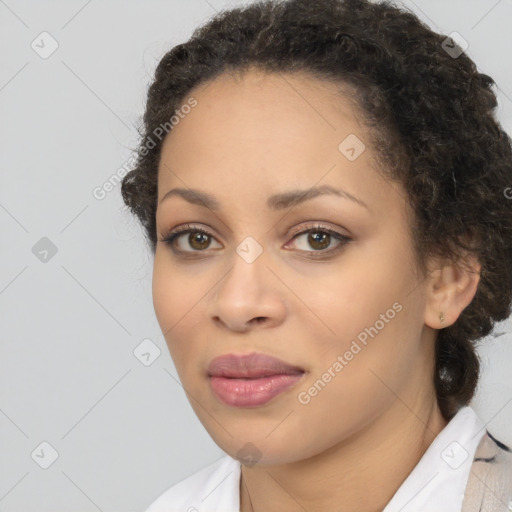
column 437, row 482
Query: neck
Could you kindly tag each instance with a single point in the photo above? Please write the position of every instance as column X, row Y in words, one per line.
column 347, row 473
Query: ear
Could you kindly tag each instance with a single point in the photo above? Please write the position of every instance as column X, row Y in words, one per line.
column 450, row 289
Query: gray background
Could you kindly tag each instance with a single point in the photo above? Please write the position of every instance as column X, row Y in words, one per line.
column 124, row 432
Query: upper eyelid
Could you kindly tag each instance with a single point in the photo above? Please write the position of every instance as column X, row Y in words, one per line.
column 311, row 226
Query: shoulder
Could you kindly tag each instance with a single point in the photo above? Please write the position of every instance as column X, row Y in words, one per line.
column 489, row 485
column 215, row 485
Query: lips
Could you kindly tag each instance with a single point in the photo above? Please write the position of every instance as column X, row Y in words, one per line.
column 251, row 380
column 251, row 366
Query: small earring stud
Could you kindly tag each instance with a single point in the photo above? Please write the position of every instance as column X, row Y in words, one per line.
column 441, row 317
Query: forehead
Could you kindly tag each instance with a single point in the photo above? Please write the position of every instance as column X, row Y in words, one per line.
column 264, row 103
column 258, row 131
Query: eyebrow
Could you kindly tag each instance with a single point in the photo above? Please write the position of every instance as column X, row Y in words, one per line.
column 279, row 201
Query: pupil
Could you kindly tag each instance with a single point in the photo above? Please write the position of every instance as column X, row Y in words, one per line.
column 317, row 238
column 196, row 239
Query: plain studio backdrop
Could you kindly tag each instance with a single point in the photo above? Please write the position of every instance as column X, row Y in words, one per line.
column 92, row 416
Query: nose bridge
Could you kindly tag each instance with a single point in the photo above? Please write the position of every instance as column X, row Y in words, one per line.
column 245, row 293
column 246, row 275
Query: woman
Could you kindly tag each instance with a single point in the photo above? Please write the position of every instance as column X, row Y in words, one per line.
column 323, row 186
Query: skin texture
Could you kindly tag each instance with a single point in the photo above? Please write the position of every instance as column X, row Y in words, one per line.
column 249, row 138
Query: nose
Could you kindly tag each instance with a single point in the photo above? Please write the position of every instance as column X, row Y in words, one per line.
column 249, row 296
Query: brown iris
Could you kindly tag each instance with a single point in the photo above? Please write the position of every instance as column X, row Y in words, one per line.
column 317, row 237
column 202, row 240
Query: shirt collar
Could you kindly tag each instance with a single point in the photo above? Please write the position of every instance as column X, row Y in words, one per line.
column 439, row 479
column 437, row 482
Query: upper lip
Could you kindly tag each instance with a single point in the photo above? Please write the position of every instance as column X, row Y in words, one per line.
column 250, row 366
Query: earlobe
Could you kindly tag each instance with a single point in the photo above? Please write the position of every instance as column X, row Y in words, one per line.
column 450, row 290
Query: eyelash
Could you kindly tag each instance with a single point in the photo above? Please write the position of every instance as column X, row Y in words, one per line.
column 315, row 228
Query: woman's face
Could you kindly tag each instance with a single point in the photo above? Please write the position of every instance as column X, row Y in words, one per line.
column 265, row 279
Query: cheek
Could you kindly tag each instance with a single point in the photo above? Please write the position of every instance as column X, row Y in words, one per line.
column 165, row 296
column 178, row 301
column 175, row 292
column 351, row 295
column 375, row 353
column 172, row 299
column 357, row 380
column 367, row 310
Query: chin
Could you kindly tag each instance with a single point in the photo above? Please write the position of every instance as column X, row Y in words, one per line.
column 261, row 451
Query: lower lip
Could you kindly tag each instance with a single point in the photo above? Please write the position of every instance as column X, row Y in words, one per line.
column 252, row 392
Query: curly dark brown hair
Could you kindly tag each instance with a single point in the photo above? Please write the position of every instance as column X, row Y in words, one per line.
column 432, row 119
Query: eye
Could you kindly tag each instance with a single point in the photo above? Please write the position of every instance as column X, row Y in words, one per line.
column 320, row 238
column 199, row 239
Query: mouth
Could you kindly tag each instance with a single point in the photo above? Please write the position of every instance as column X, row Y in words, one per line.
column 251, row 380
column 250, row 366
